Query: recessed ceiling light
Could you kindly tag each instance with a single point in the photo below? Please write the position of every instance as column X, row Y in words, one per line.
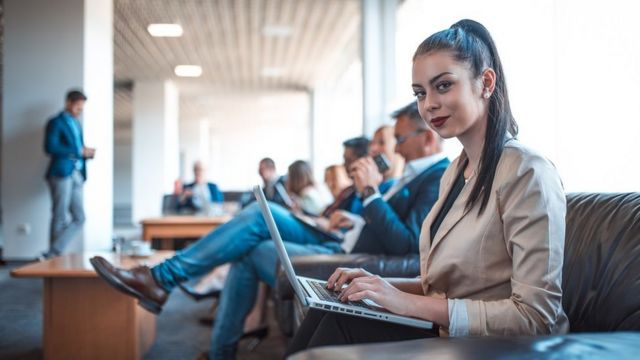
column 277, row 31
column 188, row 70
column 272, row 72
column 165, row 30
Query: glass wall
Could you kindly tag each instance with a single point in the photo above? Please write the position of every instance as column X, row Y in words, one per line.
column 247, row 128
column 572, row 71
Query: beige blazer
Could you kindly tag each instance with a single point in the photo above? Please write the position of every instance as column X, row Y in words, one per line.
column 506, row 264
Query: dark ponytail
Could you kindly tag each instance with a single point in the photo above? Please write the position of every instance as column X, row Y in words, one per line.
column 470, row 42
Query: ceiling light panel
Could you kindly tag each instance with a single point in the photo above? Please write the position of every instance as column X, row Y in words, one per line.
column 165, row 30
column 188, row 70
column 272, row 72
column 280, row 31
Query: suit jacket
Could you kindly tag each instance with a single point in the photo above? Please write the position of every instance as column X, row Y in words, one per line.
column 59, row 144
column 216, row 196
column 506, row 263
column 393, row 227
column 272, row 194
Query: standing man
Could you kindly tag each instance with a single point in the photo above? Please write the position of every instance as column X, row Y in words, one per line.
column 66, row 173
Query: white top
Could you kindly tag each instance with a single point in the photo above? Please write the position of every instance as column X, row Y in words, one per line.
column 201, row 197
column 314, row 199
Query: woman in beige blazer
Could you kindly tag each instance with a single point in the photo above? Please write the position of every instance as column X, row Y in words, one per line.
column 491, row 249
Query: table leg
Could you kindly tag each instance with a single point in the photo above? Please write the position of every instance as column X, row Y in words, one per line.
column 167, row 244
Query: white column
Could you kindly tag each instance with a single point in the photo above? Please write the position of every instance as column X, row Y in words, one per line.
column 98, row 129
column 315, row 141
column 194, row 145
column 189, row 147
column 155, row 145
column 50, row 47
column 204, row 146
column 378, row 61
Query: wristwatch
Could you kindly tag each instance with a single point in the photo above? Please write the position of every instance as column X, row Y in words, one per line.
column 368, row 191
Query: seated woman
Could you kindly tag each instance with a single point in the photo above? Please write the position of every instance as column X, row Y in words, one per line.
column 336, row 179
column 306, row 196
column 491, row 249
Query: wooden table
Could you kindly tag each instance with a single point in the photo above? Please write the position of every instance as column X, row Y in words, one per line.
column 84, row 317
column 168, row 228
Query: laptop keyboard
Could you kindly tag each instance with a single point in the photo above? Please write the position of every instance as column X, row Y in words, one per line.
column 329, row 295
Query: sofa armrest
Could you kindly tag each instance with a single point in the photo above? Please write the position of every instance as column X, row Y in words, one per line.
column 615, row 345
column 322, row 266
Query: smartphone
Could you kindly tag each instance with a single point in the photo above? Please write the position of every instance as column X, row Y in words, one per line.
column 381, row 162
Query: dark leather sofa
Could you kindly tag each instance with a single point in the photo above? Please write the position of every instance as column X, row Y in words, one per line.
column 601, row 284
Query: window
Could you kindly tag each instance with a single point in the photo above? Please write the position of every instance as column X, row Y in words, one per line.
column 572, row 68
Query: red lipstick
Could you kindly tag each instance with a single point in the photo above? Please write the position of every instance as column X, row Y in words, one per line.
column 439, row 121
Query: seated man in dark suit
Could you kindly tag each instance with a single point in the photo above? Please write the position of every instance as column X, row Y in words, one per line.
column 398, row 212
column 392, row 223
column 200, row 194
column 348, row 199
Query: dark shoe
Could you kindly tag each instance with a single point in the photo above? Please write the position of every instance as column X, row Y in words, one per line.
column 207, row 321
column 255, row 337
column 137, row 282
column 47, row 255
column 197, row 296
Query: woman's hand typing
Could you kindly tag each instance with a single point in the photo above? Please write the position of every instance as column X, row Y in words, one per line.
column 380, row 291
column 343, row 276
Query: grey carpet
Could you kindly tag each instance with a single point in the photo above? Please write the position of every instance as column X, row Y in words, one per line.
column 179, row 335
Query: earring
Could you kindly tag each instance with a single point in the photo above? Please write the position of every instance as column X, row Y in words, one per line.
column 486, row 95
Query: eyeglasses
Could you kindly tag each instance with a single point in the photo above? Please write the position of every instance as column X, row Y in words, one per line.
column 400, row 139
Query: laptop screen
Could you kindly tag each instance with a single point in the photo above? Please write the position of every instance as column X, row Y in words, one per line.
column 275, row 235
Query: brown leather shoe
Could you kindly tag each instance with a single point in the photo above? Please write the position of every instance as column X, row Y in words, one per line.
column 137, row 282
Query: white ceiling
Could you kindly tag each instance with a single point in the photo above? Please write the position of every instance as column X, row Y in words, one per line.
column 226, row 38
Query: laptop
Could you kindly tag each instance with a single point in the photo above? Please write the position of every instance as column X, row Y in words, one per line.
column 310, row 222
column 314, row 293
column 284, row 195
column 306, row 220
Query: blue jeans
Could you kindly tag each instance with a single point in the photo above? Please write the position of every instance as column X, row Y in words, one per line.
column 66, row 193
column 245, row 241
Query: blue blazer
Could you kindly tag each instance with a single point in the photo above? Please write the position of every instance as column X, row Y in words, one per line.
column 393, row 227
column 216, row 196
column 59, row 145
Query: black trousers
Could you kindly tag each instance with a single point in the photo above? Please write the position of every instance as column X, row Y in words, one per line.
column 321, row 328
